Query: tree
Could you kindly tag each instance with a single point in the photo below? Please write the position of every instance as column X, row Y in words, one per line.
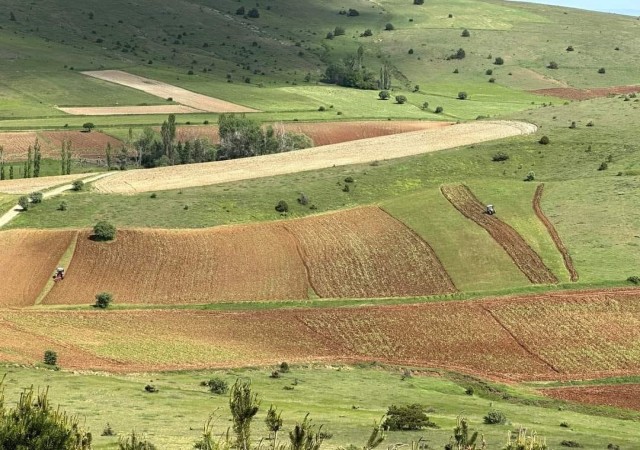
column 253, row 13
column 168, row 133
column 50, row 358
column 367, row 33
column 385, row 78
column 499, row 61
column 88, row 126
column 37, row 156
column 408, row 417
column 240, row 11
column 552, row 65
column 602, row 70
column 23, row 202
column 103, row 300
column 123, row 156
column 401, row 99
column 104, row 231
column 389, row 27
column 28, row 165
column 465, row 33
column 462, row 95
column 244, row 405
column 36, row 197
column 34, row 424
column 11, row 172
column 384, row 95
column 274, row 424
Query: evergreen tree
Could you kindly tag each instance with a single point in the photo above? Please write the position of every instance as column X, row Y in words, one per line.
column 108, row 155
column 37, row 156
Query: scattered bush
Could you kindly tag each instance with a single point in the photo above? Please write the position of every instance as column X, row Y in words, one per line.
column 488, row 72
column 603, row 166
column 456, row 70
column 240, row 11
column 36, row 197
column 495, row 418
column 353, row 12
column 151, row 388
column 63, row 206
column 492, row 80
column 154, row 195
column 498, row 61
column 602, row 70
column 500, row 156
column 135, row 442
column 50, row 358
column 460, row 54
column 564, row 425
column 24, row 202
column 410, row 51
column 401, row 99
column 217, row 386
column 348, row 179
column 531, row 176
column 338, row 31
column 284, row 367
column 104, row 231
column 103, row 300
column 303, row 199
column 384, row 95
column 389, row 27
column 634, row 279
column 322, row 108
column 590, row 123
column 469, row 391
column 77, row 185
column 282, row 207
column 439, row 109
column 544, row 140
column 572, row 444
column 253, row 13
column 425, row 106
column 275, row 374
column 573, row 125
column 407, row 418
column 462, row 95
column 552, row 65
column 613, row 447
column 465, row 33
column 570, row 48
column 367, row 33
column 108, row 431
column 418, row 2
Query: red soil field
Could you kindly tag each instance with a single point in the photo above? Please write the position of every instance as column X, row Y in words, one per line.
column 322, row 133
column 254, row 262
column 616, row 395
column 365, row 252
column 83, row 145
column 525, row 258
column 568, row 262
column 27, row 260
column 586, row 94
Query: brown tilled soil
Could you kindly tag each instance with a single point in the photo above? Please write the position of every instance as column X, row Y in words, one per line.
column 527, row 260
column 616, row 395
column 364, row 252
column 567, row 335
column 28, row 185
column 355, row 152
column 27, row 259
column 568, row 262
column 586, row 94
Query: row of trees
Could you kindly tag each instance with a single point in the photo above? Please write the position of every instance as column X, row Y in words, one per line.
column 351, row 72
column 32, row 165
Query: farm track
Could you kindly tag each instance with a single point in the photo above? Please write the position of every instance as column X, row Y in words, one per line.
column 559, row 336
column 524, row 257
column 568, row 262
column 347, row 153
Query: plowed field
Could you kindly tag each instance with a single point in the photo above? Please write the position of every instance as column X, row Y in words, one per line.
column 586, row 94
column 256, row 262
column 27, row 260
column 367, row 253
column 617, row 395
column 83, row 145
column 563, row 336
column 568, row 262
column 356, row 152
column 323, row 133
column 527, row 260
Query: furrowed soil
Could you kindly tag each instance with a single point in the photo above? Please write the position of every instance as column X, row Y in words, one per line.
column 545, row 337
column 367, row 253
column 568, row 262
column 246, row 263
column 28, row 259
column 616, row 395
column 586, row 94
column 356, row 152
column 527, row 260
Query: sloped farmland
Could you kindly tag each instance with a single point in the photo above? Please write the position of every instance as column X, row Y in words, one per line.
column 255, row 262
column 27, row 260
column 595, row 333
column 527, row 260
column 615, row 395
column 364, row 252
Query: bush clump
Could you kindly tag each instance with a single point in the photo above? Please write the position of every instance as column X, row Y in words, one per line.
column 36, row 197
column 603, row 165
column 217, row 385
column 50, row 358
column 552, row 65
column 77, row 185
column 384, row 95
column 634, row 279
column 103, row 300
column 498, row 61
column 401, row 99
column 439, row 109
column 24, row 202
column 572, row 444
column 495, row 418
column 531, row 176
column 407, row 418
column 500, row 156
column 282, row 207
column 544, row 140
column 462, row 95
column 465, row 33
column 284, row 367
column 104, row 231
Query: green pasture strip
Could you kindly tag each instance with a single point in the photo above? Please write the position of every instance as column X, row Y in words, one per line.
column 7, row 201
column 346, row 400
column 65, row 261
column 470, row 256
column 514, row 205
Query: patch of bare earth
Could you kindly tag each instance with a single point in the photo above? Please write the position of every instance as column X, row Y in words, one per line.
column 355, row 152
column 616, row 395
column 586, row 94
column 163, row 90
column 127, row 110
column 28, row 185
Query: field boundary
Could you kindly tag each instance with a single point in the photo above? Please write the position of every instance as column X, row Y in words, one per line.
column 65, row 261
column 523, row 256
column 566, row 257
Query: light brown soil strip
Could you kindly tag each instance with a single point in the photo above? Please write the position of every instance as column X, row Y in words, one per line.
column 524, row 257
column 568, row 262
column 127, row 110
column 586, row 94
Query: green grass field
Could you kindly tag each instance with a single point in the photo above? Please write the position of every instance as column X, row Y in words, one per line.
column 346, row 400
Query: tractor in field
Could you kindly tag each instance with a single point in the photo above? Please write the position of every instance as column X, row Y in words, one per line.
column 490, row 210
column 58, row 275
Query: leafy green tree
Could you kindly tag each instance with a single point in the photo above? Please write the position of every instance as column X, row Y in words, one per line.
column 389, row 27
column 24, row 202
column 168, row 133
column 401, row 99
column 384, row 95
column 50, row 358
column 244, row 405
column 104, row 231
column 103, row 300
column 465, row 33
column 108, row 155
column 34, row 425
column 88, row 126
column 37, row 157
column 408, row 417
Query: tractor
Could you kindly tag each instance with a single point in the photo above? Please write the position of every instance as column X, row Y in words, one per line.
column 58, row 275
column 490, row 210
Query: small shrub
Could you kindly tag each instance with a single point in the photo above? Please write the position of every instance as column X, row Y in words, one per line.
column 50, row 358
column 590, row 123
column 154, row 195
column 389, row 27
column 108, row 431
column 498, row 61
column 151, row 388
column 282, row 207
column 284, row 367
column 63, row 206
column 384, row 95
column 572, row 444
column 24, row 202
column 103, row 300
column 488, row 72
column 462, row 95
column 469, row 391
column 206, row 122
column 346, row 188
column 410, row 51
column 544, row 140
column 77, row 185
column 439, row 109
column 353, row 12
column 531, row 176
column 135, row 442
column 104, row 231
column 322, row 108
column 36, row 197
column 425, row 106
column 552, row 65
column 275, row 374
column 348, row 179
column 500, row 156
column 456, row 70
column 465, row 33
column 634, row 279
column 303, row 199
column 570, row 48
column 573, row 125
column 367, row 33
column 288, row 388
column 418, row 2
column 602, row 70
column 492, row 80
column 338, row 31
column 401, row 99
column 495, row 418
column 217, row 386
column 564, row 425
column 603, row 166
column 613, row 447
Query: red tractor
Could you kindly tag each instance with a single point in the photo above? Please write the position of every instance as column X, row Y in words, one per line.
column 59, row 275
